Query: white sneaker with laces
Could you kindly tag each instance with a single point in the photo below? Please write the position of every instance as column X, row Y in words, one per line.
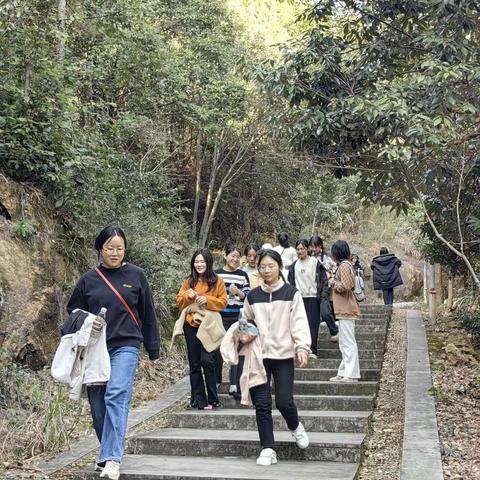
column 267, row 457
column 337, row 378
column 300, row 436
column 111, row 470
column 334, row 338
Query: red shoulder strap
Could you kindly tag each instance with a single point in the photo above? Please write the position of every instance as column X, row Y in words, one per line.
column 114, row 290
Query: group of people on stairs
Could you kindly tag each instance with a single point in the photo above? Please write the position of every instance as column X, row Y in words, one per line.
column 261, row 317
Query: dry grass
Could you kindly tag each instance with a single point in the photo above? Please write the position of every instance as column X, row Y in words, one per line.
column 382, row 455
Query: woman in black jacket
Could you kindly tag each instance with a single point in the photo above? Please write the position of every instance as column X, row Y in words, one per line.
column 127, row 328
column 386, row 274
column 308, row 275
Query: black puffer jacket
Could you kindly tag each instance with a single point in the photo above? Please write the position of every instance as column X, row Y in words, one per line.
column 386, row 272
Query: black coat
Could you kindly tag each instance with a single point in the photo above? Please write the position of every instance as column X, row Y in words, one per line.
column 386, row 272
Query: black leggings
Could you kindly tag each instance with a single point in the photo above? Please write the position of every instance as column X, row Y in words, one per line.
column 282, row 371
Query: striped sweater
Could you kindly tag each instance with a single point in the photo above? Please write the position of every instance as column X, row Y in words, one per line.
column 240, row 279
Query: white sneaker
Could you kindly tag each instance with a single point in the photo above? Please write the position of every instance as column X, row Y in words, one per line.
column 98, row 467
column 300, row 436
column 111, row 470
column 267, row 457
column 337, row 378
column 334, row 338
column 348, row 380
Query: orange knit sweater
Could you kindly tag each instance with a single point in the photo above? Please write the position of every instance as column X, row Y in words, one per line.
column 216, row 297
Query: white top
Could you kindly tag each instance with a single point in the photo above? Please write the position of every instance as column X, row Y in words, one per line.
column 289, row 255
column 305, row 271
column 248, row 269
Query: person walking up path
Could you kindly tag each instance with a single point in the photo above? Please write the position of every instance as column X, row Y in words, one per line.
column 202, row 289
column 123, row 290
column 386, row 274
column 277, row 310
column 310, row 277
column 346, row 311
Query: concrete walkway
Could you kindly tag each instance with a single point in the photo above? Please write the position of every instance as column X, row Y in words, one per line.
column 421, row 457
column 89, row 444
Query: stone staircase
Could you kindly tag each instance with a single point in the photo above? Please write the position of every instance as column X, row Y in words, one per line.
column 224, row 444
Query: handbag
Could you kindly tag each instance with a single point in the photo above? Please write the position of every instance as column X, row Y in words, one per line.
column 114, row 290
column 359, row 291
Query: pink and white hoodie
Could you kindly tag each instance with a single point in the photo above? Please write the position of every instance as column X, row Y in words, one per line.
column 279, row 313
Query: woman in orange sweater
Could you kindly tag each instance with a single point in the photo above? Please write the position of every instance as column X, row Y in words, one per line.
column 203, row 289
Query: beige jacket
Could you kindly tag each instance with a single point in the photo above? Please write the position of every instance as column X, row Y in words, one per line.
column 210, row 332
column 344, row 302
column 253, row 372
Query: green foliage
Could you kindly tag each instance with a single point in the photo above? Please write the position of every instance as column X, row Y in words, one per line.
column 391, row 91
column 470, row 319
column 23, row 229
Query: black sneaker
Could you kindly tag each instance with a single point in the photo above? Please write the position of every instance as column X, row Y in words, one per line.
column 217, row 405
column 192, row 406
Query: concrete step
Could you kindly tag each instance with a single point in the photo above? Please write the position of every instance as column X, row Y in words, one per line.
column 360, row 328
column 324, row 374
column 244, row 419
column 362, row 344
column 374, row 316
column 375, row 308
column 315, row 402
column 161, row 467
column 303, row 387
column 334, row 363
column 363, row 354
column 336, row 447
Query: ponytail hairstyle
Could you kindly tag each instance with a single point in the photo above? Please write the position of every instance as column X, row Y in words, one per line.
column 209, row 276
column 282, row 238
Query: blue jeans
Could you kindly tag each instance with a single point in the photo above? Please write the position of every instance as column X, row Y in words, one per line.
column 109, row 403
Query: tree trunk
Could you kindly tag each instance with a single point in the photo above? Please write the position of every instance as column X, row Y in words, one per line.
column 439, row 283
column 211, row 216
column 213, row 175
column 450, row 293
column 62, row 15
column 198, row 180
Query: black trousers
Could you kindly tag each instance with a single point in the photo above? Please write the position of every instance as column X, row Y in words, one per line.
column 235, row 370
column 282, row 371
column 388, row 296
column 199, row 359
column 330, row 320
column 312, row 307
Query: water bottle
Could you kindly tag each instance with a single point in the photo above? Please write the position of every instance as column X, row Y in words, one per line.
column 102, row 316
column 231, row 295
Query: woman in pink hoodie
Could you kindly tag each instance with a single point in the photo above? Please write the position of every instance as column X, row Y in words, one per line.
column 277, row 309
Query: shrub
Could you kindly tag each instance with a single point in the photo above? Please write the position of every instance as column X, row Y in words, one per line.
column 470, row 318
column 23, row 229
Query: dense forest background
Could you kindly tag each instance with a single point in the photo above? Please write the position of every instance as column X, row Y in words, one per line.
column 204, row 122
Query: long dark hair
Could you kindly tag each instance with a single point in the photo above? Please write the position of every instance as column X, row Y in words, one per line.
column 283, row 239
column 209, row 276
column 340, row 251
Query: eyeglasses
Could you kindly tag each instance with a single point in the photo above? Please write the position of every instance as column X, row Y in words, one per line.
column 264, row 268
column 111, row 250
